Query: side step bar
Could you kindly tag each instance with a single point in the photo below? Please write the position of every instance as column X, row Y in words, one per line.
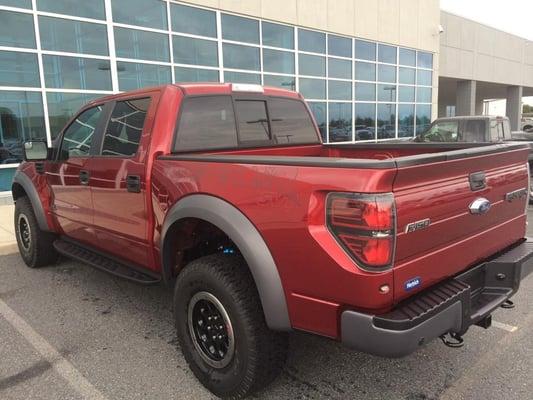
column 104, row 263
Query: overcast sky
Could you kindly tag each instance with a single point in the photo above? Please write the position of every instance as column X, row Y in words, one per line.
column 513, row 16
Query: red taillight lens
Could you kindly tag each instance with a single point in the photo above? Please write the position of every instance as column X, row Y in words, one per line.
column 364, row 226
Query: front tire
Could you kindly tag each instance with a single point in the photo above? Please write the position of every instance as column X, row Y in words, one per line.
column 222, row 330
column 35, row 246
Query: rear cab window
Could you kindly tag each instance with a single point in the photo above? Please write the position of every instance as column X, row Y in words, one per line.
column 227, row 122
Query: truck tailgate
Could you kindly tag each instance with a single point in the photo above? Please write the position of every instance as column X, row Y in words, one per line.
column 438, row 235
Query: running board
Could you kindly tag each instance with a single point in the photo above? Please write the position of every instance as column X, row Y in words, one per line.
column 104, row 263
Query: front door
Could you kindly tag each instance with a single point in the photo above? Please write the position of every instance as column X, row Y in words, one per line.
column 69, row 176
column 118, row 183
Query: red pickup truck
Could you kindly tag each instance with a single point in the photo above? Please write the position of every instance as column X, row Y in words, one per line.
column 226, row 192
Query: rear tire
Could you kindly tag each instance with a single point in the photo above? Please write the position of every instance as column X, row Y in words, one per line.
column 244, row 355
column 35, row 246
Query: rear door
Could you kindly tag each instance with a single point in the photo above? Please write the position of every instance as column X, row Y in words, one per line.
column 440, row 232
column 118, row 181
column 69, row 176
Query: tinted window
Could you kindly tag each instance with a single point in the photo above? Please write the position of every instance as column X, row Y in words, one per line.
column 407, row 94
column 406, row 120
column 241, row 77
column 193, row 20
column 386, row 73
column 423, row 117
column 133, row 43
column 73, row 36
column 88, row 9
column 341, row 69
column 423, row 95
column 339, row 90
column 16, row 3
column 407, row 75
column 474, row 131
column 312, row 65
column 365, row 50
column 365, row 91
column 240, row 29
column 425, row 60
column 19, row 69
column 278, row 61
column 79, row 135
column 15, row 30
column 424, row 77
column 135, row 76
column 313, row 88
column 387, row 93
column 339, row 46
column 278, row 35
column 62, row 106
column 195, row 75
column 319, row 112
column 444, row 131
column 291, row 123
column 365, row 71
column 340, row 122
column 285, row 82
column 365, row 121
column 387, row 54
column 76, row 73
column 149, row 13
column 311, row 41
column 408, row 57
column 206, row 123
column 125, row 128
column 241, row 57
column 195, row 51
column 386, row 121
column 253, row 120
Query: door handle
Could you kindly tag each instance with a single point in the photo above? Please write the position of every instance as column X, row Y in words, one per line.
column 84, row 177
column 133, row 183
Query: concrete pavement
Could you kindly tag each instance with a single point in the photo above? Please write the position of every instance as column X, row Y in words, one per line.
column 7, row 229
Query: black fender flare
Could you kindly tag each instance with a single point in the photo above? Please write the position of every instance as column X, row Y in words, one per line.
column 25, row 182
column 250, row 243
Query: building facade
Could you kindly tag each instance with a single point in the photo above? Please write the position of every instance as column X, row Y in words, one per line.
column 367, row 68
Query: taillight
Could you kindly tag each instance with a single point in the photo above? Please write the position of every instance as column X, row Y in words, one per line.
column 364, row 225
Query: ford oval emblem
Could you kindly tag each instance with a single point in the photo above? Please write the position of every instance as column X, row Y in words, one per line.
column 480, row 206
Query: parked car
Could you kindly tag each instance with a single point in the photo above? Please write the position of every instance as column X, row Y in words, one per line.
column 226, row 193
column 527, row 123
column 477, row 129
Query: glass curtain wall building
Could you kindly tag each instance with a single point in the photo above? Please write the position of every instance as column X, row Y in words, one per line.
column 55, row 55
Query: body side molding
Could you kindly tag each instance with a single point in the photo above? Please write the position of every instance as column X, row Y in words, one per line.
column 252, row 246
column 23, row 180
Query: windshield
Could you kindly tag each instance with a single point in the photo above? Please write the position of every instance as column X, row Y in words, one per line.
column 445, row 131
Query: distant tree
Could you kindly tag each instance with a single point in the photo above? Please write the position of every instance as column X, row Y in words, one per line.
column 527, row 109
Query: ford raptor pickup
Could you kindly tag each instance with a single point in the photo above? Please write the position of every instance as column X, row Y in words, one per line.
column 225, row 192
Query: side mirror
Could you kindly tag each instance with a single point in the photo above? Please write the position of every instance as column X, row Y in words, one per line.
column 35, row 151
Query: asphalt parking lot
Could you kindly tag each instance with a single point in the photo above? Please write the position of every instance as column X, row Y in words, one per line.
column 71, row 332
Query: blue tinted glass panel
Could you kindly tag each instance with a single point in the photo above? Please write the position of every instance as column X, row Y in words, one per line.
column 278, row 61
column 341, row 69
column 21, row 119
column 62, row 106
column 387, row 73
column 387, row 93
column 387, row 54
column 386, row 121
column 276, row 35
column 241, row 57
column 132, row 43
column 312, row 65
column 339, row 90
column 148, row 13
column 19, row 69
column 16, row 30
column 313, row 88
column 365, row 91
column 365, row 121
column 340, row 122
column 59, row 34
column 195, row 51
column 133, row 76
column 76, row 73
column 408, row 57
column 423, row 95
column 423, row 117
column 16, row 3
column 241, row 77
column 195, row 21
column 87, row 9
column 407, row 75
column 311, row 41
column 407, row 94
column 319, row 112
column 183, row 74
column 365, row 50
column 284, row 82
column 425, row 60
column 406, row 120
column 339, row 46
column 365, row 71
column 240, row 29
column 424, row 77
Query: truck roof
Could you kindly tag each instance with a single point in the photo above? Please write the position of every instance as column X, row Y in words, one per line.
column 204, row 88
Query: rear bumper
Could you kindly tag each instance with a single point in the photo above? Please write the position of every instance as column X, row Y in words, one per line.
column 451, row 306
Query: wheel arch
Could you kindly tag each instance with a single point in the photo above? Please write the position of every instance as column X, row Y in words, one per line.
column 246, row 237
column 23, row 186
